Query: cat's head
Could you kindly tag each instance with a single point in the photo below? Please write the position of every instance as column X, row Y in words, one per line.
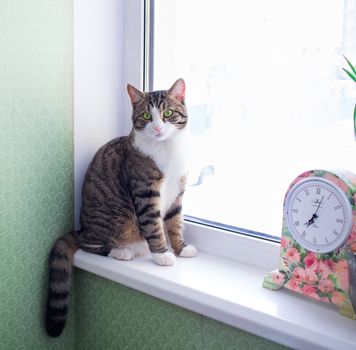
column 159, row 114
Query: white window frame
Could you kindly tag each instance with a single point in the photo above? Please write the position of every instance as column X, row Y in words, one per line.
column 99, row 127
column 109, row 39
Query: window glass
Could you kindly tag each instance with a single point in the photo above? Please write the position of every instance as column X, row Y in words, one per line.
column 266, row 95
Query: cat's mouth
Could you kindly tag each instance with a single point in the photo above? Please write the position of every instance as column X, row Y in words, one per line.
column 159, row 136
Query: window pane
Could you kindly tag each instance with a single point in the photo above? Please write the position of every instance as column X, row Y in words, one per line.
column 266, row 95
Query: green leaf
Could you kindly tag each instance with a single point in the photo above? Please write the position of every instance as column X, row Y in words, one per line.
column 349, row 74
column 319, row 173
column 333, row 279
column 320, row 293
column 350, row 65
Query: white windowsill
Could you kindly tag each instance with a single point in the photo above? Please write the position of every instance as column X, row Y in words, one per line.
column 228, row 287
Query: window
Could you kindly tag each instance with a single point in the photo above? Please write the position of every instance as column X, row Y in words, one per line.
column 266, row 95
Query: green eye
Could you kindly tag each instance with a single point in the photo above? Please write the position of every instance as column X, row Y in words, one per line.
column 167, row 113
column 147, row 116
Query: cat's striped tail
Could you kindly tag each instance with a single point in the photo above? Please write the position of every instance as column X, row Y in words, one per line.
column 60, row 277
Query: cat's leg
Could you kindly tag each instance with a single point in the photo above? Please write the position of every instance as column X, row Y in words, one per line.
column 151, row 226
column 174, row 226
column 156, row 239
column 173, row 222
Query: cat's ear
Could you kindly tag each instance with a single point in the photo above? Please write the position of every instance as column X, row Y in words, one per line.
column 177, row 91
column 135, row 94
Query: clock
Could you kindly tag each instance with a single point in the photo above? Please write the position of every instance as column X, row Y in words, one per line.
column 318, row 214
column 319, row 239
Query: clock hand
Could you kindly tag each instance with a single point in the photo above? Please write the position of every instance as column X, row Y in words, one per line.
column 319, row 205
column 311, row 221
column 315, row 215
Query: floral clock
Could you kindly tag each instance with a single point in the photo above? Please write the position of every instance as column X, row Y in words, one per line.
column 319, row 239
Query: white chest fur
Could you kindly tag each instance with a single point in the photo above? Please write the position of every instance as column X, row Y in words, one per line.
column 169, row 156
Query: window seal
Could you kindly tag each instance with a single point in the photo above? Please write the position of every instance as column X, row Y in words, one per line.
column 233, row 229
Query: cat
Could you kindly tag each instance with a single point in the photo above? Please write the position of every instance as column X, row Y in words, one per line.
column 131, row 198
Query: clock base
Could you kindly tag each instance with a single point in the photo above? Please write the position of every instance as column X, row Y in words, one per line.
column 276, row 280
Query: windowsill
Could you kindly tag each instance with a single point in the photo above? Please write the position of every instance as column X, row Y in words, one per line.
column 229, row 289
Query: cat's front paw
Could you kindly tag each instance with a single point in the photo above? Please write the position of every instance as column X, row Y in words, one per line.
column 188, row 251
column 164, row 259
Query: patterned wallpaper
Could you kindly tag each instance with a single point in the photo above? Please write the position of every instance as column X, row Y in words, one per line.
column 110, row 316
column 36, row 156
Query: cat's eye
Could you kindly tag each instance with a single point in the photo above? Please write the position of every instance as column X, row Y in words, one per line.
column 167, row 113
column 147, row 116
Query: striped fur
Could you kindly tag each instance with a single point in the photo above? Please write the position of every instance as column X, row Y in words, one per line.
column 132, row 196
column 60, row 273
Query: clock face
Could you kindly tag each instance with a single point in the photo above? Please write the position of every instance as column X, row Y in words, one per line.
column 318, row 215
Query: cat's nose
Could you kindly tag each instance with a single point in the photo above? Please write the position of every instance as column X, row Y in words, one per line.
column 157, row 128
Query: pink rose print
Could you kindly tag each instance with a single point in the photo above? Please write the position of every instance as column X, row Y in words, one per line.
column 326, row 286
column 331, row 177
column 343, row 185
column 293, row 284
column 305, row 174
column 278, row 278
column 310, row 276
column 338, row 298
column 352, row 238
column 325, row 299
column 353, row 233
column 325, row 268
column 284, row 242
column 342, row 274
column 309, row 291
column 292, row 255
column 337, row 181
column 299, row 274
column 311, row 262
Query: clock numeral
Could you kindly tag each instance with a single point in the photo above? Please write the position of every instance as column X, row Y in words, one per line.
column 296, row 223
column 330, row 195
column 298, row 199
column 314, row 240
column 295, row 211
column 335, row 233
column 339, row 221
column 337, row 207
column 306, row 192
column 326, row 240
column 303, row 234
column 318, row 190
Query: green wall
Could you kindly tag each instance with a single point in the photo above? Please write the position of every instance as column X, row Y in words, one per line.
column 36, row 161
column 110, row 316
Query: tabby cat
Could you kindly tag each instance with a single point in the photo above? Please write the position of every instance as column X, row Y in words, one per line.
column 132, row 196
